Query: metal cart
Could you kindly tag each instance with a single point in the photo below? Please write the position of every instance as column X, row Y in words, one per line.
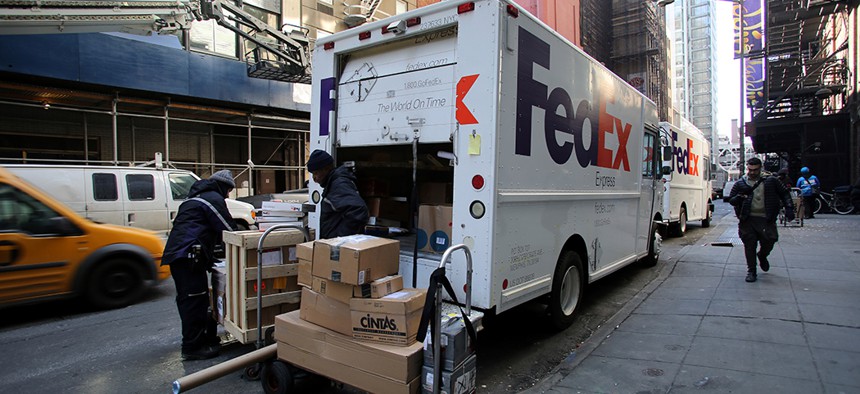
column 798, row 210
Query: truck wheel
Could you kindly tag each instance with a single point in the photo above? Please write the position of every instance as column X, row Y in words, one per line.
column 706, row 222
column 276, row 378
column 655, row 244
column 115, row 283
column 566, row 290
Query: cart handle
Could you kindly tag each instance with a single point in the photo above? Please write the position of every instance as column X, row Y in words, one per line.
column 437, row 333
column 304, row 231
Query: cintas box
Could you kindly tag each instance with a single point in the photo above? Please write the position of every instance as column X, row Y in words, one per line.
column 356, row 259
column 392, row 319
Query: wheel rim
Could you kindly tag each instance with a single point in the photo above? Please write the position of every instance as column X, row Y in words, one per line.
column 118, row 282
column 570, row 290
column 683, row 222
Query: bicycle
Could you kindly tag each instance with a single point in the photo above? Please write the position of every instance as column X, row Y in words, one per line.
column 839, row 201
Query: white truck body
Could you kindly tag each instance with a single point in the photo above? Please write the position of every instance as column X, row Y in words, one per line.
column 687, row 188
column 565, row 149
column 142, row 197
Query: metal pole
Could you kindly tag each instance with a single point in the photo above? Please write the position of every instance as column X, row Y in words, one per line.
column 741, row 47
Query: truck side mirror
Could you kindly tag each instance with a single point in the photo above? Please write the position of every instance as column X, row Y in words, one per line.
column 666, row 170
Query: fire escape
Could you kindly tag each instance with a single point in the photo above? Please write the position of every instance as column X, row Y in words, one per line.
column 803, row 118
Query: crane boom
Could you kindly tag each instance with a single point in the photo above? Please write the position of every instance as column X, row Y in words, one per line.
column 278, row 56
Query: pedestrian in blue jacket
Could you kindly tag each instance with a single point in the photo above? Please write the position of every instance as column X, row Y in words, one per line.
column 343, row 211
column 757, row 199
column 809, row 188
column 190, row 252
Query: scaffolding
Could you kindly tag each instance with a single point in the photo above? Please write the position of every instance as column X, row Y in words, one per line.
column 639, row 50
column 596, row 37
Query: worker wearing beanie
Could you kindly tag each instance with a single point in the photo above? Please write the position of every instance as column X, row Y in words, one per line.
column 190, row 252
column 343, row 211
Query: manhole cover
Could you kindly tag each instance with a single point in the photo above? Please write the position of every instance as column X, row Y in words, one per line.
column 653, row 372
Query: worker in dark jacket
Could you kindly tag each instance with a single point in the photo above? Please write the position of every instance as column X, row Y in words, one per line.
column 190, row 252
column 757, row 199
column 343, row 211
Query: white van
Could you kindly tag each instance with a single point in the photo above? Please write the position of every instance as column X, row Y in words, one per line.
column 142, row 197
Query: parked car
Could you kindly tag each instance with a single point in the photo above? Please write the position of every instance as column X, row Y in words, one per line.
column 49, row 251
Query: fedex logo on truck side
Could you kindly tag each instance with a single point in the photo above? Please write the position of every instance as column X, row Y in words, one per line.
column 685, row 161
column 531, row 93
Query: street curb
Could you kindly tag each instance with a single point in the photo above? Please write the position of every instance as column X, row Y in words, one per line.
column 589, row 345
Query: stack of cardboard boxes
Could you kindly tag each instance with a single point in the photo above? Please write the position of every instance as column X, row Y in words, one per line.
column 277, row 212
column 356, row 324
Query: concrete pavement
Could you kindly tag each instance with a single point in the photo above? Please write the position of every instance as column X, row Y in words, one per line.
column 699, row 327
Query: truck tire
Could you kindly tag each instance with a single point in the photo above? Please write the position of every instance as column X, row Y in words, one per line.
column 567, row 289
column 706, row 222
column 655, row 244
column 115, row 283
column 680, row 228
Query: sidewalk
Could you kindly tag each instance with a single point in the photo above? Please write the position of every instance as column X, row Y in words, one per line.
column 700, row 327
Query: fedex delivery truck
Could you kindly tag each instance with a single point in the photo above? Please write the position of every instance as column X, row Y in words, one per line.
column 687, row 187
column 549, row 162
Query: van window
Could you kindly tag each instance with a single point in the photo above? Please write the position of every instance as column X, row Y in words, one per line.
column 140, row 187
column 19, row 212
column 649, row 156
column 180, row 185
column 104, row 187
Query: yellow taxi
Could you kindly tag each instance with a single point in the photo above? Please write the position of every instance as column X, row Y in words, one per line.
column 47, row 251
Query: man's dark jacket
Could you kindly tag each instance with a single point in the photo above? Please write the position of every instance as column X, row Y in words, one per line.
column 776, row 195
column 343, row 210
column 197, row 224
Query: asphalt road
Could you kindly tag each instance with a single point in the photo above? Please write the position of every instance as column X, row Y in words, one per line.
column 64, row 346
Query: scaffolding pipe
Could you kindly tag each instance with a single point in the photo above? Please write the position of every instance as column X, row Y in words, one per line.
column 216, row 371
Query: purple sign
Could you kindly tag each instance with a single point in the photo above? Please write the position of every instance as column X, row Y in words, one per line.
column 752, row 23
column 754, row 70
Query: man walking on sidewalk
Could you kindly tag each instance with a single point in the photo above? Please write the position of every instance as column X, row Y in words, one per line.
column 757, row 199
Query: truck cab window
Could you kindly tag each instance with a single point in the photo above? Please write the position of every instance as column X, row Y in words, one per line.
column 649, row 156
column 140, row 187
column 104, row 187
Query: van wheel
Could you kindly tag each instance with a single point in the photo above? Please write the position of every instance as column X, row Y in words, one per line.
column 567, row 290
column 655, row 244
column 115, row 283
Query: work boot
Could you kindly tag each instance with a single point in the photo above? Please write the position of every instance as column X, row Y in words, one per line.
column 751, row 277
column 202, row 353
column 765, row 265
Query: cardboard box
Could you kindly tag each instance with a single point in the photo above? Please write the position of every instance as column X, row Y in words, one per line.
column 380, row 287
column 304, row 277
column 329, row 288
column 305, row 256
column 397, row 363
column 434, row 227
column 356, row 259
column 392, row 319
column 325, row 311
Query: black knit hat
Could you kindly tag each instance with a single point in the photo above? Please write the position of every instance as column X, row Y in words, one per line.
column 319, row 159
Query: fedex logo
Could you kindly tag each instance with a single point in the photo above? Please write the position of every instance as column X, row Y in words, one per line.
column 531, row 93
column 685, row 161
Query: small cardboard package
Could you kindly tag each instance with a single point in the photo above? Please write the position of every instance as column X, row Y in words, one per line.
column 392, row 319
column 356, row 259
column 329, row 288
column 434, row 227
column 379, row 288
